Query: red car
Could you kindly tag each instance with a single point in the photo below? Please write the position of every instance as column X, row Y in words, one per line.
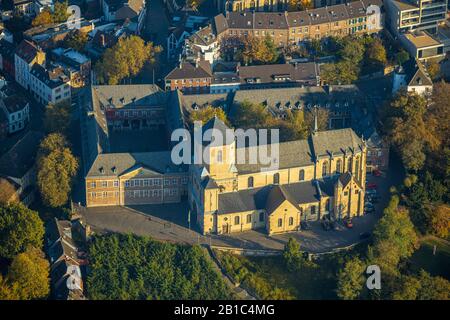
column 371, row 186
column 376, row 173
column 348, row 223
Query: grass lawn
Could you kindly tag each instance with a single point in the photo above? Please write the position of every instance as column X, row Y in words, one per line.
column 436, row 265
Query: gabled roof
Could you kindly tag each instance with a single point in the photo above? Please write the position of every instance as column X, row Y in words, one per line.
column 335, row 141
column 420, row 77
column 217, row 125
column 277, row 195
column 189, row 70
column 21, row 157
column 27, row 51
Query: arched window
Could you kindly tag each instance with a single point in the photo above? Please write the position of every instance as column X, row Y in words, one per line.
column 249, row 218
column 350, row 165
column 301, row 175
column 327, row 205
column 261, row 216
column 325, row 168
column 276, row 178
column 236, row 220
column 291, row 221
column 313, row 209
column 280, row 222
column 219, row 156
column 250, row 182
column 338, row 166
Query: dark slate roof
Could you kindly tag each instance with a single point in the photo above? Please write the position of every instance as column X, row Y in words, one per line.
column 27, row 50
column 417, row 74
column 15, row 103
column 268, row 73
column 335, row 141
column 21, row 157
column 52, row 78
column 209, row 183
column 345, row 178
column 189, row 70
column 220, row 24
column 215, row 124
column 269, row 197
column 7, row 50
column 116, row 164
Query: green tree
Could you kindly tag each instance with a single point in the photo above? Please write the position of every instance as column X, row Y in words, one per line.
column 292, row 255
column 57, row 168
column 43, row 18
column 29, row 272
column 440, row 220
column 434, row 69
column 7, row 291
column 207, row 113
column 376, row 53
column 394, row 237
column 57, row 117
column 402, row 57
column 9, row 192
column 343, row 72
column 350, row 279
column 60, row 11
column 76, row 39
column 20, row 227
column 129, row 55
column 257, row 51
column 423, row 287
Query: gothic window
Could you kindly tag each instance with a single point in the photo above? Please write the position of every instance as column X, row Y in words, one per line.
column 291, row 221
column 276, row 178
column 249, row 218
column 261, row 216
column 250, row 182
column 280, row 223
column 236, row 220
column 301, row 175
column 325, row 168
column 357, row 168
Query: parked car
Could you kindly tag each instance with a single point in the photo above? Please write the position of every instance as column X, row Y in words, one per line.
column 376, row 173
column 326, row 225
column 364, row 235
column 348, row 223
column 371, row 185
column 305, row 225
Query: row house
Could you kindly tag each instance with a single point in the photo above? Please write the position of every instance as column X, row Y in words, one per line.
column 26, row 56
column 50, row 85
column 293, row 28
column 190, row 77
column 76, row 64
column 121, row 10
column 17, row 111
column 7, row 52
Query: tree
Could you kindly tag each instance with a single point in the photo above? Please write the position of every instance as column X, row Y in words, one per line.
column 129, row 55
column 406, row 112
column 343, row 72
column 394, row 237
column 376, row 53
column 43, row 18
column 402, row 57
column 298, row 124
column 350, row 279
column 299, row 5
column 434, row 69
column 323, row 118
column 423, row 287
column 257, row 51
column 207, row 113
column 8, row 192
column 30, row 272
column 440, row 220
column 20, row 228
column 7, row 291
column 76, row 39
column 57, row 117
column 60, row 11
column 292, row 255
column 57, row 168
column 352, row 49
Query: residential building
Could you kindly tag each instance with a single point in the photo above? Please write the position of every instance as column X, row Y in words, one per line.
column 76, row 65
column 49, row 85
column 40, row 5
column 19, row 165
column 202, row 44
column 190, row 77
column 322, row 176
column 421, row 45
column 23, row 8
column 16, row 108
column 27, row 54
column 7, row 52
column 121, row 10
column 413, row 77
column 65, row 261
column 293, row 28
column 411, row 15
column 251, row 5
